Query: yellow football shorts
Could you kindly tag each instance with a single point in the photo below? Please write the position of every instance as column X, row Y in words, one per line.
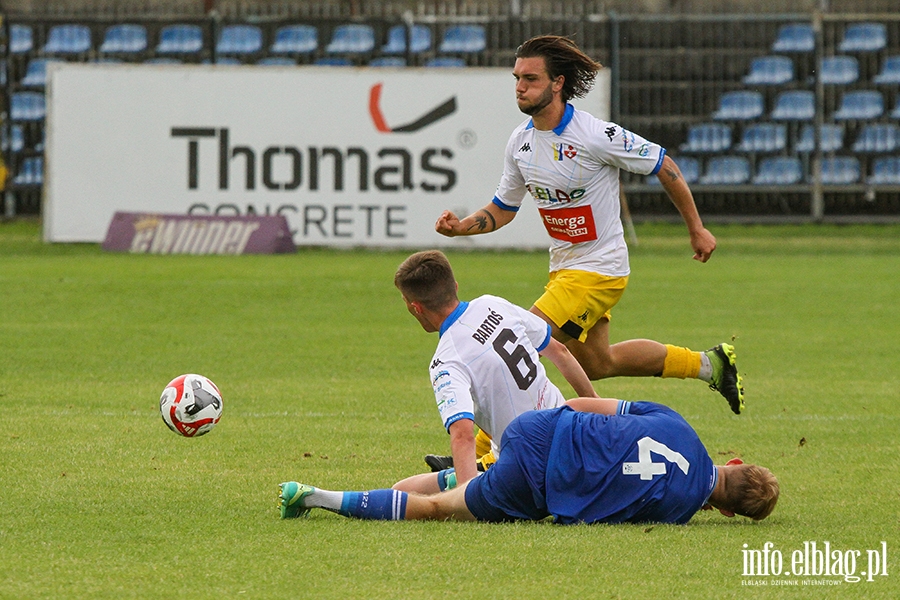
column 576, row 300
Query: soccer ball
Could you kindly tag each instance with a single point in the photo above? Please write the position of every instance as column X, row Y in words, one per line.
column 191, row 405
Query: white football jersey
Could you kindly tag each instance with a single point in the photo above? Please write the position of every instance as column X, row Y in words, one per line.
column 486, row 366
column 572, row 173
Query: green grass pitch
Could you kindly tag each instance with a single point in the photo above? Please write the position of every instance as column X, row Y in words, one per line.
column 324, row 378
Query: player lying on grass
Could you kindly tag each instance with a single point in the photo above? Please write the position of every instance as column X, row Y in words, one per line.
column 591, row 461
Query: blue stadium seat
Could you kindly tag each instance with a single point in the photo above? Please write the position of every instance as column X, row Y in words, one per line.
column 763, row 137
column 860, row 104
column 877, row 138
column 726, row 170
column 779, row 170
column 124, row 38
column 445, row 61
column 277, row 61
column 31, row 172
column 225, row 60
column 180, row 38
column 707, row 137
column 795, row 105
column 239, row 40
column 388, row 61
column 831, row 138
column 890, row 71
column 770, row 70
column 864, row 37
column 895, row 114
column 396, row 42
column 739, row 106
column 839, row 70
column 36, row 73
column 295, row 39
column 333, row 61
column 21, row 39
column 68, row 39
column 840, row 170
column 163, row 60
column 27, row 106
column 464, row 39
column 351, row 39
column 17, row 133
column 795, row 37
column 885, row 171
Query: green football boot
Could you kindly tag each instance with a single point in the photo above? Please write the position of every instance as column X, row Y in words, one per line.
column 290, row 500
column 725, row 379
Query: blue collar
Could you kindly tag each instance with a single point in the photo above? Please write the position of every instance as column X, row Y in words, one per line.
column 563, row 123
column 453, row 317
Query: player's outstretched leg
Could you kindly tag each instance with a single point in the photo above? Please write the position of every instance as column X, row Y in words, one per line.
column 296, row 499
column 725, row 377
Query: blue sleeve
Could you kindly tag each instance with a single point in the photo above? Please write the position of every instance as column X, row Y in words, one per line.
column 546, row 341
column 500, row 203
column 662, row 155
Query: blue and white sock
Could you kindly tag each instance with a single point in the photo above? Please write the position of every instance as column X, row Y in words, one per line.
column 381, row 505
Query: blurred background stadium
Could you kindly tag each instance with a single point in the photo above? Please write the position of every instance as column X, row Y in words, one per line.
column 776, row 112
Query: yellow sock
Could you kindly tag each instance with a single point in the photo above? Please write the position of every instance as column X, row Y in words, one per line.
column 681, row 362
column 482, row 444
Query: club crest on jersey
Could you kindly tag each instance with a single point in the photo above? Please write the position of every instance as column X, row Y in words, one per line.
column 627, row 140
column 564, row 150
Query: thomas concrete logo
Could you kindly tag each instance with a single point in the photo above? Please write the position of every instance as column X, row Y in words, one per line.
column 813, row 564
column 437, row 113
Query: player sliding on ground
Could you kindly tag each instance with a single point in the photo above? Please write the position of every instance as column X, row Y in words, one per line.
column 569, row 162
column 591, row 461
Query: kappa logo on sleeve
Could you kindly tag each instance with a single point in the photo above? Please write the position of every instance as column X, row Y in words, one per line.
column 435, row 114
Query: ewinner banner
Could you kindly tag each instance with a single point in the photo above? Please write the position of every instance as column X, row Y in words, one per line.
column 349, row 156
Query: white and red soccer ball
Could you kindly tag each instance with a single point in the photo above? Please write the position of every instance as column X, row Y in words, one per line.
column 191, row 405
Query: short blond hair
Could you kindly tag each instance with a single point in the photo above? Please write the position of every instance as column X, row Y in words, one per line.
column 750, row 491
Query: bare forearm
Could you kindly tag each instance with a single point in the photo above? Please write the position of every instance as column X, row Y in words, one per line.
column 485, row 220
column 563, row 360
column 462, row 446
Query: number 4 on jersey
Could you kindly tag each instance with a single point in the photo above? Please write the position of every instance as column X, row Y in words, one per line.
column 646, row 468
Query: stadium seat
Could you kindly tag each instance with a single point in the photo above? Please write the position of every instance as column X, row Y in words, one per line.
column 795, row 105
column 239, row 40
column 864, row 37
column 795, row 37
column 68, row 39
column 277, row 61
column 763, row 137
column 163, row 60
column 124, row 38
column 21, row 39
column 726, row 170
column 225, row 60
column 779, row 170
column 877, row 138
column 885, row 171
column 351, row 39
column 295, row 39
column 840, row 170
column 31, row 172
column 27, row 106
column 388, row 61
column 396, row 42
column 707, row 137
column 839, row 70
column 890, row 71
column 13, row 141
column 739, row 106
column 445, row 61
column 770, row 70
column 333, row 61
column 895, row 114
column 36, row 73
column 861, row 105
column 831, row 138
column 463, row 39
column 180, row 38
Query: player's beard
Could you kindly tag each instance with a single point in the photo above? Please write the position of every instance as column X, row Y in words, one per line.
column 538, row 105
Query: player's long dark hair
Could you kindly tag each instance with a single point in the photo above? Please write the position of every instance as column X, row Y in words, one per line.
column 563, row 57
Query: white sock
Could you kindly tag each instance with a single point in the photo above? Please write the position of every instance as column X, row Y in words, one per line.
column 324, row 499
column 706, row 370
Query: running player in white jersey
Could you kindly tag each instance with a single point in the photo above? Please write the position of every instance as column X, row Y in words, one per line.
column 486, row 370
column 569, row 162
